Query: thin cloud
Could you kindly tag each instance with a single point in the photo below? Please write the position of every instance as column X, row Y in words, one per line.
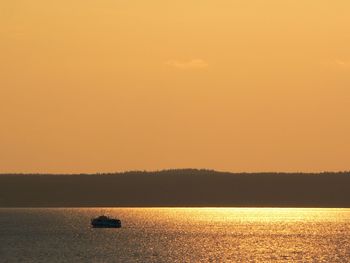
column 190, row 64
column 337, row 64
column 342, row 63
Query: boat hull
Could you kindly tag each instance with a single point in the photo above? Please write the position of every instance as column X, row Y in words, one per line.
column 110, row 223
column 106, row 226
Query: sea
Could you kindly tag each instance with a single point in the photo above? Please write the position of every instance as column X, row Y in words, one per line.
column 176, row 235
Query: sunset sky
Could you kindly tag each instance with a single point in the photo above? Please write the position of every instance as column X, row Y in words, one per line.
column 233, row 85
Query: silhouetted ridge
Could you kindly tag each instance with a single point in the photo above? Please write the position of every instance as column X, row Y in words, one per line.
column 184, row 187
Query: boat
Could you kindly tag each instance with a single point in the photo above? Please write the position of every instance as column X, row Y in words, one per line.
column 105, row 222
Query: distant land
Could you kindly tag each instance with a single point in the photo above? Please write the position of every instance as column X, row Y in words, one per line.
column 176, row 188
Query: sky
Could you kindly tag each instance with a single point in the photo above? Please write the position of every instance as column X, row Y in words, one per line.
column 232, row 85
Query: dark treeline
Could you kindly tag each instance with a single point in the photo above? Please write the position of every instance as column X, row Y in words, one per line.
column 188, row 187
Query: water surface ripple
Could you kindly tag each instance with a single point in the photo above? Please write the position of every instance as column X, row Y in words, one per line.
column 176, row 235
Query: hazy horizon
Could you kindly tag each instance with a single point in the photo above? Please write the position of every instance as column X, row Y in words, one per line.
column 178, row 170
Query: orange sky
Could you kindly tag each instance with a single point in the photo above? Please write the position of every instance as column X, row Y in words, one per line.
column 113, row 85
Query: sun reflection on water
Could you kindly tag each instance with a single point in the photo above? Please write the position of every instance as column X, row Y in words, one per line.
column 190, row 234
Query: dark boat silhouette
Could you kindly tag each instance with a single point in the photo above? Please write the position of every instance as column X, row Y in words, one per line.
column 105, row 222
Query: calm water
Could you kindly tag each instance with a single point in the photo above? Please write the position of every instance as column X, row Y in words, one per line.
column 176, row 235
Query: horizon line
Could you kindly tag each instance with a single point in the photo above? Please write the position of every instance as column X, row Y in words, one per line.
column 178, row 170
